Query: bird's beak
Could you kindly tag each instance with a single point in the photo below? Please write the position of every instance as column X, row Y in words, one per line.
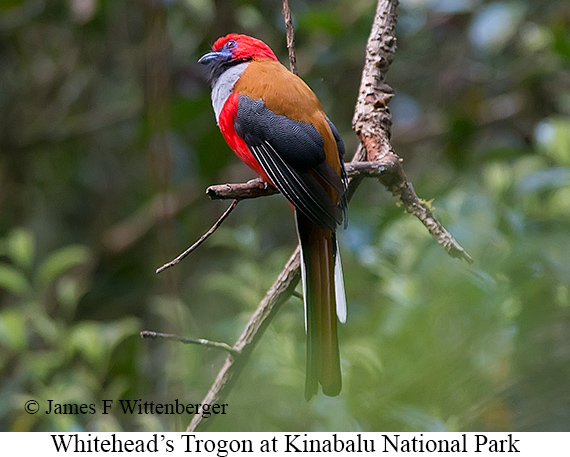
column 209, row 57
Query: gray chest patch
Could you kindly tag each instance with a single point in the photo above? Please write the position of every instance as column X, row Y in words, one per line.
column 224, row 85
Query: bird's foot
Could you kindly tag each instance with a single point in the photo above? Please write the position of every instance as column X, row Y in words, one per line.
column 265, row 183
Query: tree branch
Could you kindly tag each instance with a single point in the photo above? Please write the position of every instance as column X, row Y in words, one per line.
column 372, row 122
column 388, row 169
column 256, row 189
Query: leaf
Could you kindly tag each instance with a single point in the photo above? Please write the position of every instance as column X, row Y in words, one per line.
column 61, row 261
column 95, row 341
column 13, row 329
column 13, row 280
column 86, row 338
column 69, row 291
column 21, row 247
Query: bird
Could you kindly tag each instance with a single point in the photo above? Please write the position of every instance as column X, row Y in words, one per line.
column 276, row 125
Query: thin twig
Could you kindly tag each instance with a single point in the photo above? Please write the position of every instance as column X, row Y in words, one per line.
column 147, row 334
column 203, row 238
column 290, row 37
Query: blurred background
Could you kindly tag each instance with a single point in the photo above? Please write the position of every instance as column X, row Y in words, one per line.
column 108, row 141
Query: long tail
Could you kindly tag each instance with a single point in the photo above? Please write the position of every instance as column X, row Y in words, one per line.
column 319, row 263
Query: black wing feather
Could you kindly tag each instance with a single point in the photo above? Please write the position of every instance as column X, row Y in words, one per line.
column 300, row 188
column 288, row 151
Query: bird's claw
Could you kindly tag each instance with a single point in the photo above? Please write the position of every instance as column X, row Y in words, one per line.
column 259, row 180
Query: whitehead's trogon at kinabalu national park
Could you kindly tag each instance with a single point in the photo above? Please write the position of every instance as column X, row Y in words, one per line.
column 275, row 124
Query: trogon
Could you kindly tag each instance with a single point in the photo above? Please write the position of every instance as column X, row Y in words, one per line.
column 275, row 124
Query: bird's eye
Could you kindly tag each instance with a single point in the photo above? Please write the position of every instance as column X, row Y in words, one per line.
column 231, row 44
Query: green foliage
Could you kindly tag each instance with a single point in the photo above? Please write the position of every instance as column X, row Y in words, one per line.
column 104, row 108
column 46, row 353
